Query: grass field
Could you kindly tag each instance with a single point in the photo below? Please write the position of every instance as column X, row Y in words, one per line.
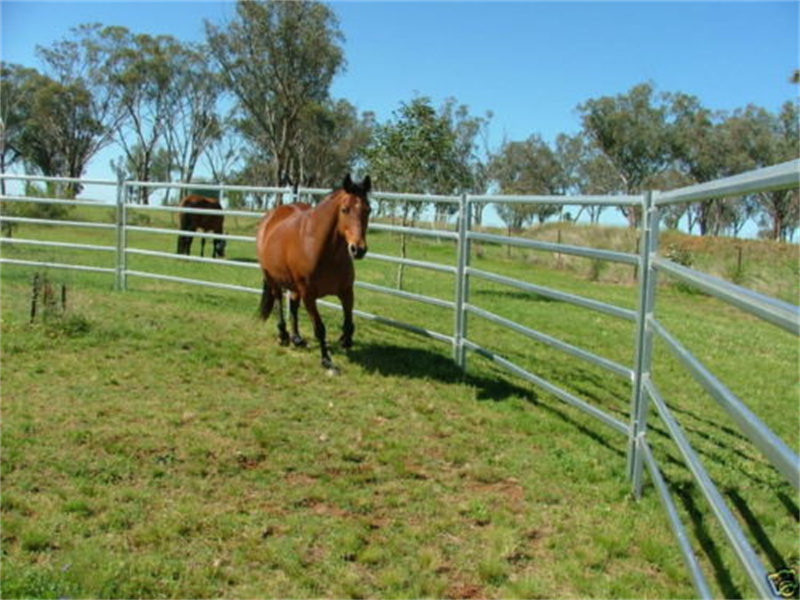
column 159, row 442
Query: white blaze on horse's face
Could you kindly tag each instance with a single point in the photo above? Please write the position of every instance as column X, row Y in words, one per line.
column 354, row 215
column 353, row 222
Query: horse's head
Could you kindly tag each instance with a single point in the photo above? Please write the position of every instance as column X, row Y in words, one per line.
column 354, row 212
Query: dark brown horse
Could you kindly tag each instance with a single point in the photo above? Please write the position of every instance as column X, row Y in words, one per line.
column 194, row 221
column 310, row 251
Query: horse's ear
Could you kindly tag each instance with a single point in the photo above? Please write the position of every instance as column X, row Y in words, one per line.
column 347, row 184
column 367, row 184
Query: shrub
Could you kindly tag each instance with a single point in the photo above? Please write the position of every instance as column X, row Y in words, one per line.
column 682, row 256
column 678, row 254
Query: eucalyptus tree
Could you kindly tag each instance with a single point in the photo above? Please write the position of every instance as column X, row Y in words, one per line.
column 278, row 59
column 17, row 84
column 56, row 121
column 527, row 167
column 15, row 100
column 46, row 125
column 333, row 136
column 781, row 209
column 631, row 130
column 703, row 152
column 193, row 123
column 141, row 70
column 74, row 112
column 60, row 133
column 423, row 150
column 224, row 150
column 586, row 171
column 471, row 153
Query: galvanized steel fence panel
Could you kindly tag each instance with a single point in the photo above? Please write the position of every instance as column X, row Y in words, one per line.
column 648, row 263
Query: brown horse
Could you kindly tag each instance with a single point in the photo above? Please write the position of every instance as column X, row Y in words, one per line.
column 310, row 251
column 194, row 221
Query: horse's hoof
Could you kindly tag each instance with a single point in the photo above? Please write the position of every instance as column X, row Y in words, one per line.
column 298, row 342
column 346, row 343
column 330, row 368
column 283, row 341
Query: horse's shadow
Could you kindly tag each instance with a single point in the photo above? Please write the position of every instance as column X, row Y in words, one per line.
column 393, row 360
column 401, row 361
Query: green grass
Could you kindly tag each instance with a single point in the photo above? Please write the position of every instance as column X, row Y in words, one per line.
column 159, row 442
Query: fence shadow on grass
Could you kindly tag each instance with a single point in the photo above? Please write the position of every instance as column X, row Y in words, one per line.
column 686, row 493
column 389, row 359
column 508, row 295
column 242, row 259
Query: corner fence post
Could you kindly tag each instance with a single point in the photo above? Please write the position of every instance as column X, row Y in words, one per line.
column 643, row 352
column 462, row 283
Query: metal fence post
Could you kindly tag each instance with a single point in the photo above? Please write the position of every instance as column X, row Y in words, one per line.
column 122, row 218
column 462, row 283
column 644, row 341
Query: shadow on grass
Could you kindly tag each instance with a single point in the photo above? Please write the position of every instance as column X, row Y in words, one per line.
column 527, row 296
column 685, row 493
column 241, row 259
column 392, row 360
column 717, row 446
column 688, row 492
column 761, row 536
column 400, row 361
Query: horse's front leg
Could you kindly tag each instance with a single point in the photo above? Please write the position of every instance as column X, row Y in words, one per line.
column 319, row 331
column 346, row 298
column 184, row 245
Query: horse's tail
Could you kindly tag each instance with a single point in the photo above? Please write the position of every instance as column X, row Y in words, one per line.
column 267, row 301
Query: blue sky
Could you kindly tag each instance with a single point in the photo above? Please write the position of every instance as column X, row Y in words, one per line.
column 530, row 63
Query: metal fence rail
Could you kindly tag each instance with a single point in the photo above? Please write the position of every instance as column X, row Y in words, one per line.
column 782, row 314
column 539, row 290
column 647, row 326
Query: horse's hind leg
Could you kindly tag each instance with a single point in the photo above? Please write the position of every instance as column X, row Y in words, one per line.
column 282, row 332
column 294, row 304
column 267, row 301
column 319, row 331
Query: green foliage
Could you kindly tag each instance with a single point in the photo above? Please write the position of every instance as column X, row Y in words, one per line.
column 332, row 139
column 37, row 210
column 426, row 151
column 585, row 170
column 683, row 256
column 15, row 92
column 596, row 268
column 631, row 130
column 528, row 167
column 679, row 254
column 278, row 59
column 51, row 125
column 668, row 140
column 736, row 273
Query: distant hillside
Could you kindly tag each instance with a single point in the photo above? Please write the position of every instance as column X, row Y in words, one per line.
column 765, row 266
